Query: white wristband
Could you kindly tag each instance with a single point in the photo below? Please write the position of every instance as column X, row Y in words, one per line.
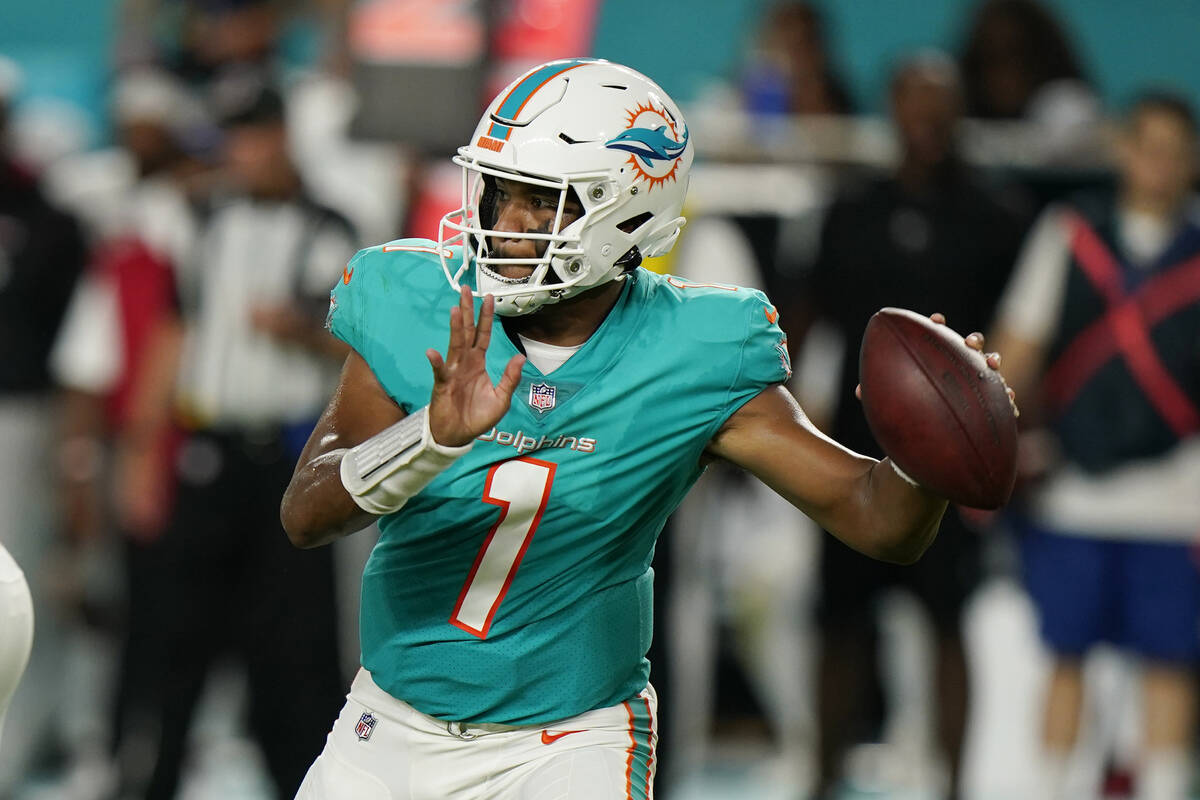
column 903, row 475
column 382, row 473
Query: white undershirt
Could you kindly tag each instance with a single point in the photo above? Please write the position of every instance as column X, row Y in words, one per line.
column 1144, row 236
column 547, row 357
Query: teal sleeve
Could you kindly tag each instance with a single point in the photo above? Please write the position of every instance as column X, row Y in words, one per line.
column 764, row 357
column 391, row 304
column 346, row 318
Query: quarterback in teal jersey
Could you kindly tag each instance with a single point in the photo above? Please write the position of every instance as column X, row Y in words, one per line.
column 520, row 483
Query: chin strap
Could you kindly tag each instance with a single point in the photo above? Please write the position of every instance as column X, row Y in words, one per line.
column 631, row 260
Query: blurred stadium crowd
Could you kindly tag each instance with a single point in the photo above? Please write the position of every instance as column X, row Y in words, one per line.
column 164, row 359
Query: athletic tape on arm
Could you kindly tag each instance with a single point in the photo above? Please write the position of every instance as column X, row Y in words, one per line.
column 382, row 473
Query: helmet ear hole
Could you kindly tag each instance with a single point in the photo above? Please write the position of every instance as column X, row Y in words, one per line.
column 633, row 223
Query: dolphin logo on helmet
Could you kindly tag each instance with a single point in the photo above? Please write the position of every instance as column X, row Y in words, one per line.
column 649, row 145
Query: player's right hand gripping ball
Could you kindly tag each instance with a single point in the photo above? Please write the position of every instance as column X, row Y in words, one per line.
column 937, row 409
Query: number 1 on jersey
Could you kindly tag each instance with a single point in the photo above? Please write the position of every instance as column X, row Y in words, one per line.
column 521, row 487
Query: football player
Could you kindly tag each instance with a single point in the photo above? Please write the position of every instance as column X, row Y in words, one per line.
column 16, row 629
column 521, row 483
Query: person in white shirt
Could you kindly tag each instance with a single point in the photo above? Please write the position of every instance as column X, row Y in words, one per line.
column 1103, row 312
column 245, row 371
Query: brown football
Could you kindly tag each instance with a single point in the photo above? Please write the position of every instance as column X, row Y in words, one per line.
column 937, row 409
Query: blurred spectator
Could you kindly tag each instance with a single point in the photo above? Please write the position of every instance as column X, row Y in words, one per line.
column 1103, row 311
column 144, row 230
column 790, row 72
column 254, row 368
column 1018, row 63
column 741, row 563
column 929, row 237
column 41, row 255
column 364, row 180
column 218, row 36
column 159, row 131
column 1015, row 49
column 203, row 42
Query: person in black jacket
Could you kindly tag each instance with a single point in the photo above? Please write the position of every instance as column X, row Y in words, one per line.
column 930, row 236
column 241, row 376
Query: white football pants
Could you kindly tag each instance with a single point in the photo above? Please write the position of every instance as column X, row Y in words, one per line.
column 381, row 748
column 16, row 628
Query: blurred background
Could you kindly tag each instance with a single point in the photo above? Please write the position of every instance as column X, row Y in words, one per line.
column 181, row 181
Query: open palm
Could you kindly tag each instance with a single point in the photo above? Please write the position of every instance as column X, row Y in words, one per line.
column 464, row 403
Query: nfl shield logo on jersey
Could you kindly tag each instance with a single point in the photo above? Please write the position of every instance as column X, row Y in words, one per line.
column 541, row 396
column 365, row 726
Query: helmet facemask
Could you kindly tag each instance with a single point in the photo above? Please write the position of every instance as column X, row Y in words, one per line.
column 560, row 270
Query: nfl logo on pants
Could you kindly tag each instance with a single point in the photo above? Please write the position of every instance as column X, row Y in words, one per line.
column 365, row 726
column 541, row 396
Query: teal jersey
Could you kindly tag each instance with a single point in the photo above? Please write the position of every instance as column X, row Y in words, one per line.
column 516, row 588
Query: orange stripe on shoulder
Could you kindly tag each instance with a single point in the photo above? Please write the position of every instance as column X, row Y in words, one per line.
column 412, row 248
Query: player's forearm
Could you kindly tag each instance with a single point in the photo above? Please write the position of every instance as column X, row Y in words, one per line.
column 903, row 519
column 862, row 502
column 316, row 507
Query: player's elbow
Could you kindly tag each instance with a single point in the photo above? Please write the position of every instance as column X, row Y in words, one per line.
column 902, row 554
column 315, row 516
column 905, row 547
column 882, row 543
column 297, row 534
column 300, row 527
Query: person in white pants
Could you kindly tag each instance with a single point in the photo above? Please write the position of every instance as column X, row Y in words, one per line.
column 16, row 629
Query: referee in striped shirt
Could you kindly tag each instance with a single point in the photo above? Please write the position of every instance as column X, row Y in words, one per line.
column 241, row 376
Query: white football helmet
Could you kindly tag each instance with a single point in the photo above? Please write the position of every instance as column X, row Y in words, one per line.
column 591, row 130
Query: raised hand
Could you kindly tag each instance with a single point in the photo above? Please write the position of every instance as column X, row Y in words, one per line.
column 464, row 403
